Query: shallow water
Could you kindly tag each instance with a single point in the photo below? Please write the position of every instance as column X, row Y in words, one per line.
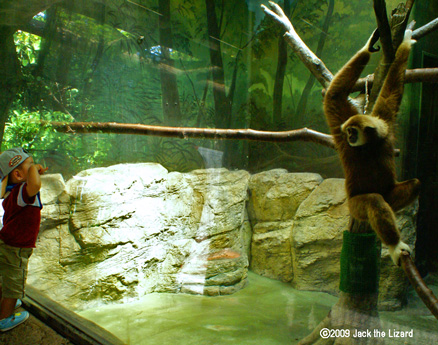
column 265, row 312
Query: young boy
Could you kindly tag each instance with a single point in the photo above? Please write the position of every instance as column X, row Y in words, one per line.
column 20, row 187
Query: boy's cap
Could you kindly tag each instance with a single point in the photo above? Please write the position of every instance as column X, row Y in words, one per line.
column 9, row 160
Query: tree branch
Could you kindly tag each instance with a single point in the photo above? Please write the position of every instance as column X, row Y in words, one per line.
column 384, row 30
column 417, row 75
column 302, row 104
column 425, row 29
column 303, row 134
column 426, row 295
column 312, row 62
column 322, row 73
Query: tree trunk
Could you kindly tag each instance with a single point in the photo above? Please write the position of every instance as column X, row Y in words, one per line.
column 277, row 97
column 10, row 74
column 62, row 70
column 221, row 101
column 33, row 99
column 169, row 87
column 352, row 313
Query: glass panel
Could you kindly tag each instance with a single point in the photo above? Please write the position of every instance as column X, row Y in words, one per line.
column 190, row 238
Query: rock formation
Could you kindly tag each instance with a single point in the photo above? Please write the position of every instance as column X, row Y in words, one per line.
column 117, row 233
column 120, row 232
column 304, row 247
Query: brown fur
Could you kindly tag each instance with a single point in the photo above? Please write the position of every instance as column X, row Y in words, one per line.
column 370, row 178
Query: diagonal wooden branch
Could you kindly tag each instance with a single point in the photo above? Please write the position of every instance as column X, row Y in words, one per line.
column 426, row 295
column 303, row 134
column 425, row 29
column 312, row 62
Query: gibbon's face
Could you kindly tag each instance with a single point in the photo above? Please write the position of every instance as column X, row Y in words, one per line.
column 363, row 129
column 355, row 136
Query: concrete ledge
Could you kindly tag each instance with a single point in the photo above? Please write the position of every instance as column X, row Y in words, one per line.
column 67, row 323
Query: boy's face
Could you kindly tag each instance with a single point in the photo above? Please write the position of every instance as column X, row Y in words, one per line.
column 19, row 174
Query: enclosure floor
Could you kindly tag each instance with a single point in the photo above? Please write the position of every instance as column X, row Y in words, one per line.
column 32, row 332
column 265, row 312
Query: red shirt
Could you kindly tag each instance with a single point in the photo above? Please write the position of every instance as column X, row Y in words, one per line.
column 21, row 221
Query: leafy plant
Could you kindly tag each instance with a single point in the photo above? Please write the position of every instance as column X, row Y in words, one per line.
column 68, row 153
column 27, row 46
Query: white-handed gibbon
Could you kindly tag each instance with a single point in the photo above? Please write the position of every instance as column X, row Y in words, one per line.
column 366, row 145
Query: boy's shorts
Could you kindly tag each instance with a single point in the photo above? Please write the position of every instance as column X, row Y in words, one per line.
column 13, row 269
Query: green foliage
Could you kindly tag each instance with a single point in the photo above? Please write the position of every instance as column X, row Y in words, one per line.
column 25, row 129
column 68, row 153
column 27, row 46
column 103, row 63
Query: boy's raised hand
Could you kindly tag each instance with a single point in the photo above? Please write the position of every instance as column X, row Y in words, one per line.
column 41, row 170
column 33, row 179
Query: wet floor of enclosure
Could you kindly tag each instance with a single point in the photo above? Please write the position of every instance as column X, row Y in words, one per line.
column 265, row 312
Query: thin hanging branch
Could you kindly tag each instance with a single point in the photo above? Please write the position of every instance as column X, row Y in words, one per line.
column 303, row 134
column 426, row 295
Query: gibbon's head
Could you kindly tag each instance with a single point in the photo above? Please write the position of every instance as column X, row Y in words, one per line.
column 363, row 129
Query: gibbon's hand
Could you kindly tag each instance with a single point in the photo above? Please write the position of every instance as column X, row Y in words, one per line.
column 395, row 252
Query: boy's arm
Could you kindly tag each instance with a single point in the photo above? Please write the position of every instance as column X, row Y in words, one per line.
column 33, row 185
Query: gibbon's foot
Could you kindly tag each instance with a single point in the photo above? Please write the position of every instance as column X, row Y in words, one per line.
column 408, row 37
column 395, row 252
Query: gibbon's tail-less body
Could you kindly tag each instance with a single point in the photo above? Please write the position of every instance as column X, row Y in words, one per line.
column 366, row 145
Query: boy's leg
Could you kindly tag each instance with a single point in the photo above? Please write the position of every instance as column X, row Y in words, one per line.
column 13, row 268
column 7, row 307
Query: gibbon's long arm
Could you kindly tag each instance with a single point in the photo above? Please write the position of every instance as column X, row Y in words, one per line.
column 389, row 99
column 336, row 105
